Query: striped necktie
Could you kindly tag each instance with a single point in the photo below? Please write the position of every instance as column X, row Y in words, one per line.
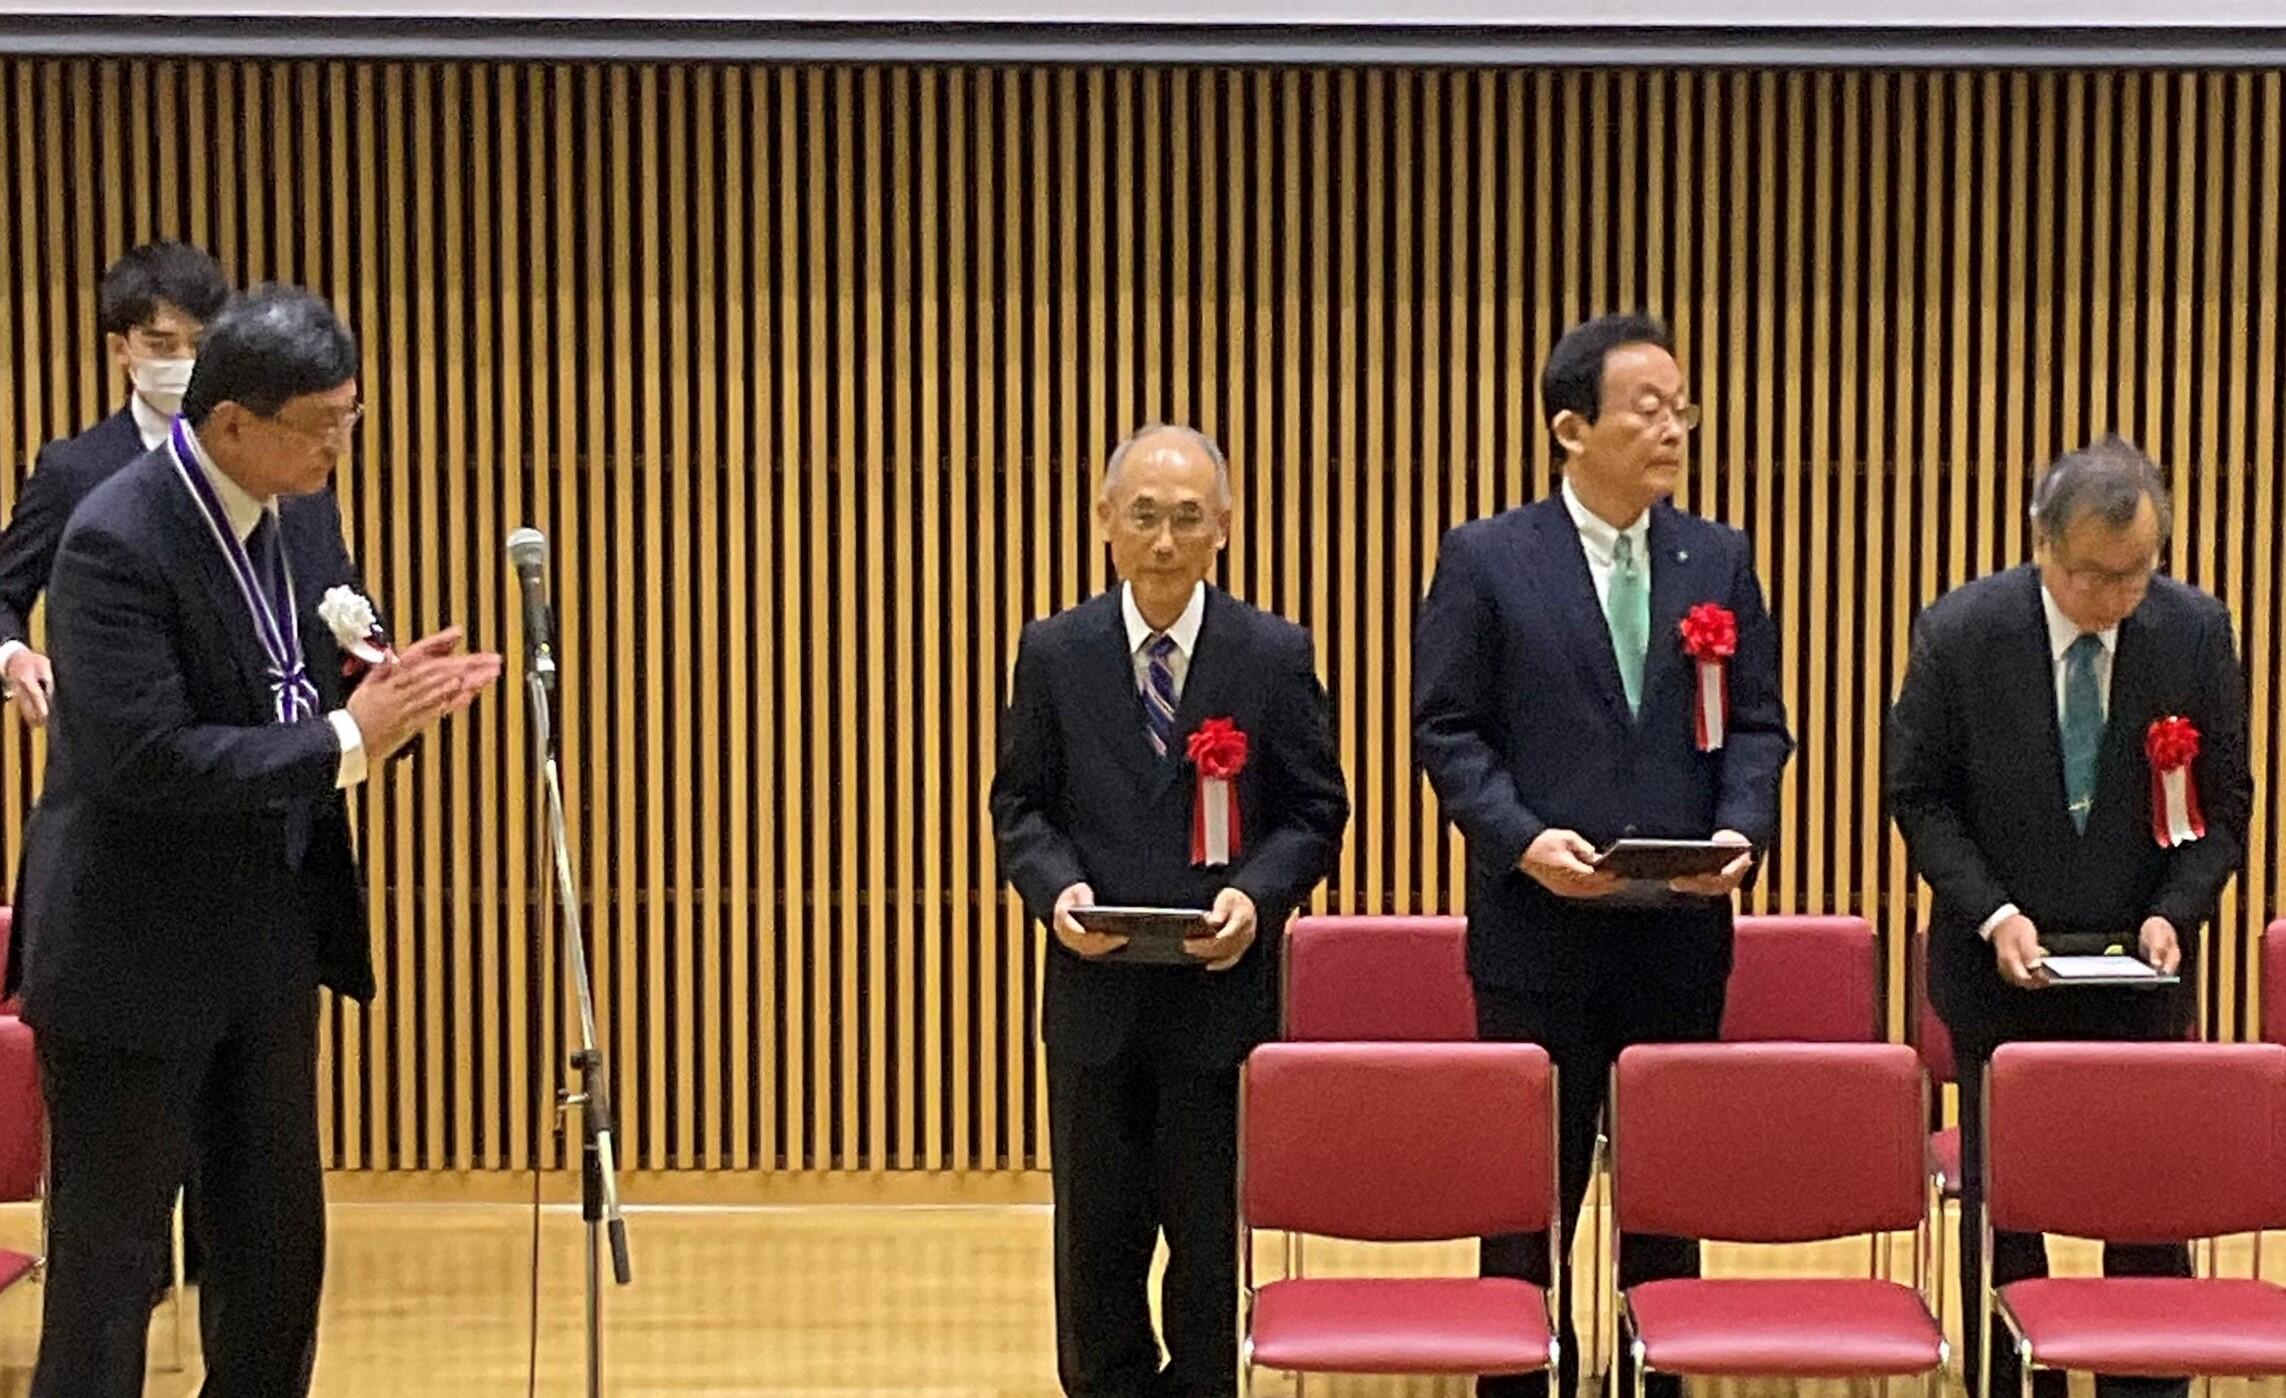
column 1159, row 693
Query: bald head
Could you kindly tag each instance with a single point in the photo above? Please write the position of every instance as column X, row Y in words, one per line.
column 1173, row 444
column 1165, row 511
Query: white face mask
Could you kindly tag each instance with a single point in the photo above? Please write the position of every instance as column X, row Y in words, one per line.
column 162, row 382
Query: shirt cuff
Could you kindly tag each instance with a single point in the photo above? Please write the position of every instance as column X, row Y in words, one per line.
column 352, row 750
column 8, row 651
column 2000, row 915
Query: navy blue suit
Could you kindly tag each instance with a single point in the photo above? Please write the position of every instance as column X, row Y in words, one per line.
column 1143, row 1060
column 188, row 883
column 1522, row 725
column 62, row 476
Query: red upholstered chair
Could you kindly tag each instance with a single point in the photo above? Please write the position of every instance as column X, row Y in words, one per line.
column 1385, row 978
column 1395, row 1142
column 23, row 1136
column 1802, row 979
column 2205, row 1121
column 1935, row 1044
column 2274, row 982
column 1774, row 1143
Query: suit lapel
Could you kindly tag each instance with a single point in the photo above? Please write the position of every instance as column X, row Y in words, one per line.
column 217, row 585
column 1679, row 582
column 1206, row 682
column 2028, row 677
column 2120, row 768
column 1111, row 668
column 1570, row 590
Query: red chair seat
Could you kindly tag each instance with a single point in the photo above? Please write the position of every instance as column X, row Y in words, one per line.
column 1410, row 1325
column 2153, row 1326
column 1845, row 1328
column 14, row 1267
column 1945, row 1158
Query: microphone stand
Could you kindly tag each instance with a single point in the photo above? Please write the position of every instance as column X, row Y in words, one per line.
column 599, row 1187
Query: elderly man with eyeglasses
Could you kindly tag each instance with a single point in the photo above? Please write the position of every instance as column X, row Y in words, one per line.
column 1562, row 673
column 1166, row 746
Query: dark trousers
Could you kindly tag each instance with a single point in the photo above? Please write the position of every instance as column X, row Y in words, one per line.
column 1629, row 990
column 122, row 1128
column 1142, row 1143
column 2017, row 1256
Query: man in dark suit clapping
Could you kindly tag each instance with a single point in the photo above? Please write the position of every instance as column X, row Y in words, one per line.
column 1557, row 707
column 2021, row 771
column 1104, row 762
column 189, row 879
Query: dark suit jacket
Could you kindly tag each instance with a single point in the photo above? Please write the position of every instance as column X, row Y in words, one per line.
column 1522, row 724
column 62, row 476
column 1081, row 797
column 1976, row 783
column 190, row 859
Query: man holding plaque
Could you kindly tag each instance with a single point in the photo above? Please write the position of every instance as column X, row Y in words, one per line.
column 1166, row 747
column 2068, row 764
column 1593, row 667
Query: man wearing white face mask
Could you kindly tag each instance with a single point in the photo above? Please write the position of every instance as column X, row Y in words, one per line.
column 153, row 307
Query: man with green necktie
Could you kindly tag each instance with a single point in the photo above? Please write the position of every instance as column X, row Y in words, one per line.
column 2042, row 710
column 1559, row 705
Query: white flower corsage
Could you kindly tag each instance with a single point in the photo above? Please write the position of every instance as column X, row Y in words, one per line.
column 355, row 628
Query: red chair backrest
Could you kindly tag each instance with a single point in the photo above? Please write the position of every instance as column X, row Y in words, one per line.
column 23, row 1134
column 1930, row 1035
column 1807, row 979
column 1388, row 978
column 1391, row 1142
column 2274, row 982
column 1769, row 1143
column 2139, row 1143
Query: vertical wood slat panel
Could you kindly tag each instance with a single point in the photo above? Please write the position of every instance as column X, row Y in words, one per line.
column 813, row 404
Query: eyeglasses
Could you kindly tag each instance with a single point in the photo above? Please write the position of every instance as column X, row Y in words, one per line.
column 1188, row 521
column 335, row 433
column 2110, row 579
column 1654, row 412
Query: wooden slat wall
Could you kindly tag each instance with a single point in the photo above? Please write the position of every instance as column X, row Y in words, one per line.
column 808, row 374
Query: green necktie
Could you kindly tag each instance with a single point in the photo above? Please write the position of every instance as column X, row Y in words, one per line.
column 2083, row 726
column 1627, row 607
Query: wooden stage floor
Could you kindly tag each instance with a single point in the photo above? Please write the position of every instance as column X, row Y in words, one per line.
column 824, row 1301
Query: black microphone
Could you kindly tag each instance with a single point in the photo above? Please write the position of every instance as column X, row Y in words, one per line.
column 528, row 555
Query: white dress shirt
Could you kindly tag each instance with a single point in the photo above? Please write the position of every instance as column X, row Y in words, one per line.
column 2062, row 632
column 1600, row 539
column 244, row 512
column 149, row 421
column 1185, row 634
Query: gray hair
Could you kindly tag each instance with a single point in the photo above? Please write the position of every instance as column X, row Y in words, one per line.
column 2109, row 478
column 1154, row 429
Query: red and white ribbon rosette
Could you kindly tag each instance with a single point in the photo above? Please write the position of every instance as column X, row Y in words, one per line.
column 1710, row 639
column 1218, row 749
column 2172, row 745
column 355, row 629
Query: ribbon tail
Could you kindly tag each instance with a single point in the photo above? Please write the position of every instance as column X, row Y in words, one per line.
column 1712, row 714
column 1214, row 828
column 2175, row 814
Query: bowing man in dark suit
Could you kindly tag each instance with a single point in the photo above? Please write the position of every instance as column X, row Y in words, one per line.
column 2018, row 774
column 188, row 878
column 1553, row 709
column 1094, row 802
column 153, row 306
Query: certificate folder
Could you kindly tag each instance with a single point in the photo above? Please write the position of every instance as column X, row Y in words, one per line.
column 1667, row 859
column 1154, row 935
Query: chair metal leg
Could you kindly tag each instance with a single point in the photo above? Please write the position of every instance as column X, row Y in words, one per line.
column 175, row 1302
column 1637, row 1350
column 1599, row 1201
column 2024, row 1370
